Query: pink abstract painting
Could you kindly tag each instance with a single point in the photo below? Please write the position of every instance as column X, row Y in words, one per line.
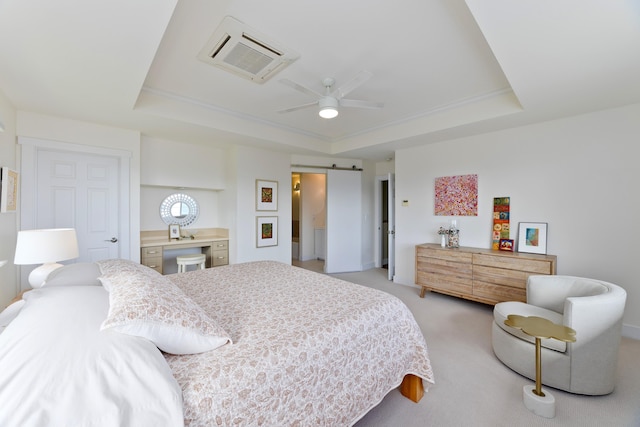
column 457, row 195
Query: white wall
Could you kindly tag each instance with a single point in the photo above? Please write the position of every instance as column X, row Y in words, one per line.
column 9, row 220
column 252, row 164
column 168, row 167
column 368, row 230
column 579, row 174
column 175, row 164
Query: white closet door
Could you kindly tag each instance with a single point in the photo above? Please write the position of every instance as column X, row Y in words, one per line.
column 344, row 221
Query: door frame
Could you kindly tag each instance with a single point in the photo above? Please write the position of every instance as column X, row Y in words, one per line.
column 378, row 220
column 28, row 184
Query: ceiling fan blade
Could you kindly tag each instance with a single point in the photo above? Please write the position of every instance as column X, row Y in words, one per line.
column 361, row 104
column 350, row 85
column 300, row 88
column 298, row 107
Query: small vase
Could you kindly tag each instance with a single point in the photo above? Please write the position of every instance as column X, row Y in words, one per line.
column 454, row 238
column 443, row 240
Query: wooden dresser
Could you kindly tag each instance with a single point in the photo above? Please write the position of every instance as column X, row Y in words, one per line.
column 213, row 242
column 477, row 274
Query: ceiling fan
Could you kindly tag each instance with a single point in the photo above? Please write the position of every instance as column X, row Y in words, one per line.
column 333, row 98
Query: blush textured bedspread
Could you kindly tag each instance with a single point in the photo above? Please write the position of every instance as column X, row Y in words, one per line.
column 308, row 349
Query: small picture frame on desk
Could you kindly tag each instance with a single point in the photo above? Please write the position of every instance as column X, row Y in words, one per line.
column 506, row 245
column 174, row 231
column 532, row 237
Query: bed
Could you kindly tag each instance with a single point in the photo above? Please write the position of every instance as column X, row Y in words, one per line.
column 259, row 343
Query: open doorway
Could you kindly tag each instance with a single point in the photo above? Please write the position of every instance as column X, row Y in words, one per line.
column 384, row 215
column 308, row 204
column 385, row 220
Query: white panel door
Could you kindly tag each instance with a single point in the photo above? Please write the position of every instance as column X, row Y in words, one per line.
column 80, row 190
column 344, row 222
column 391, row 216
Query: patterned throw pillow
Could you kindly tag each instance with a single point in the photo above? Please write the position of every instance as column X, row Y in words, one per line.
column 152, row 307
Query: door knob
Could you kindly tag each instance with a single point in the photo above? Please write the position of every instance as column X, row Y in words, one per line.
column 113, row 240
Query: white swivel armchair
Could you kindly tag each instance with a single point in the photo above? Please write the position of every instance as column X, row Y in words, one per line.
column 592, row 308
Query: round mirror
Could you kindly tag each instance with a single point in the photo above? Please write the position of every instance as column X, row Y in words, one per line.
column 179, row 209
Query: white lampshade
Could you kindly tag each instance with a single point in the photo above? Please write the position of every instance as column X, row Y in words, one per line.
column 45, row 247
column 328, row 107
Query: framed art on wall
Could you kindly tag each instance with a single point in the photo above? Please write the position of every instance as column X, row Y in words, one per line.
column 532, row 237
column 266, row 195
column 266, row 231
column 456, row 195
column 9, row 190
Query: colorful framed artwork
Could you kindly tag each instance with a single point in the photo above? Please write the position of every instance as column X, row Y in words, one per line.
column 266, row 195
column 532, row 237
column 506, row 245
column 9, row 190
column 266, row 231
column 501, row 227
column 456, row 195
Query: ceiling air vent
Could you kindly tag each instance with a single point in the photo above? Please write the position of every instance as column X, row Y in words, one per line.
column 243, row 51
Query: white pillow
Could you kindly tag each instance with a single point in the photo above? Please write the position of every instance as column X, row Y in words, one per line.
column 10, row 313
column 154, row 308
column 78, row 274
column 58, row 369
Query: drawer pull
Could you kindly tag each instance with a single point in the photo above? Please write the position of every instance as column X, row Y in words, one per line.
column 153, row 266
column 152, row 252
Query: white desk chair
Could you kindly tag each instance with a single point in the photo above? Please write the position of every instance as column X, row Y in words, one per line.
column 194, row 259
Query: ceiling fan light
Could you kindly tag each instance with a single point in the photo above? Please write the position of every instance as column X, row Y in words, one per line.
column 328, row 107
column 328, row 112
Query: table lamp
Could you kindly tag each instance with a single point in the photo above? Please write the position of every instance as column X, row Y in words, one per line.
column 45, row 247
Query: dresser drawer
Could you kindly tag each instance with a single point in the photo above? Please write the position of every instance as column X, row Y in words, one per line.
column 531, row 265
column 220, row 245
column 450, row 255
column 219, row 258
column 154, row 262
column 151, row 251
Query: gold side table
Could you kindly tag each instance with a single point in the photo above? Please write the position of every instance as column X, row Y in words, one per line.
column 537, row 400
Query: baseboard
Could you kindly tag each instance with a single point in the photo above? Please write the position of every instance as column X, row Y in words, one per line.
column 631, row 331
column 368, row 266
column 404, row 281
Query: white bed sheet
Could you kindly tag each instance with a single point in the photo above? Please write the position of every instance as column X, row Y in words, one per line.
column 58, row 369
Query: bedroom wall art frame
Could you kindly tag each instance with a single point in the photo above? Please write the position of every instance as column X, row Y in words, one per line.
column 532, row 237
column 266, row 195
column 456, row 195
column 9, row 190
column 266, row 231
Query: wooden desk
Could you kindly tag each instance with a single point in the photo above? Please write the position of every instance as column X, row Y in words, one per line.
column 213, row 242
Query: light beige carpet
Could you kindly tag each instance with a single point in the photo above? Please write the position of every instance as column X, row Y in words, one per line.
column 473, row 388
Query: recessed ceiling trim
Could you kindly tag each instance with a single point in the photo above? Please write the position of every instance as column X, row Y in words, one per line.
column 237, row 48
